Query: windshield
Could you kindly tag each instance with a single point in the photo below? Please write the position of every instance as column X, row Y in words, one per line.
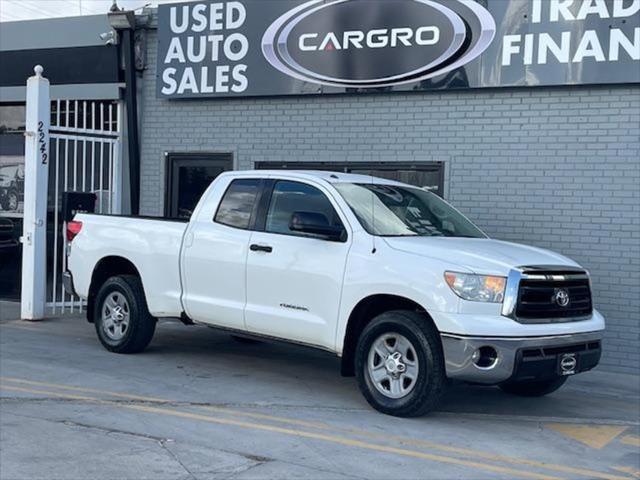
column 390, row 210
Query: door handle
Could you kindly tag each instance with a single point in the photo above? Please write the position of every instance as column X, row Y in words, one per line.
column 260, row 248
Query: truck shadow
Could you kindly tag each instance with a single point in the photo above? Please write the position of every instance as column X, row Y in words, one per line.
column 303, row 374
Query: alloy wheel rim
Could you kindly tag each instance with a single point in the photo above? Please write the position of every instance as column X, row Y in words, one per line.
column 13, row 201
column 393, row 365
column 115, row 316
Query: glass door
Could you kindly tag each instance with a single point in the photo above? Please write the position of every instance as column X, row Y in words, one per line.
column 189, row 175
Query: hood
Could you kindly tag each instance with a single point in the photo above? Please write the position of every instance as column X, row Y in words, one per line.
column 480, row 255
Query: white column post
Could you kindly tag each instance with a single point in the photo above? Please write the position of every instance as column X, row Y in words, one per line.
column 36, row 168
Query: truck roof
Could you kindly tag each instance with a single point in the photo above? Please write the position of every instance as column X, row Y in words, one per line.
column 328, row 176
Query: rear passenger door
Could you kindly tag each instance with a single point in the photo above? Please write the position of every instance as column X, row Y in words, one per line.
column 294, row 280
column 215, row 254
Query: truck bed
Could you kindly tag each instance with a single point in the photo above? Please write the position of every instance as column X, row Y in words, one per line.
column 151, row 244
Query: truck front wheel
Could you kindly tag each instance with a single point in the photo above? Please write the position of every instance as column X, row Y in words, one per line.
column 535, row 388
column 400, row 364
column 121, row 317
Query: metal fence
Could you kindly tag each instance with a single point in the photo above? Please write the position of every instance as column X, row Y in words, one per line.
column 85, row 157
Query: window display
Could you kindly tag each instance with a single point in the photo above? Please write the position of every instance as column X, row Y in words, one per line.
column 12, row 124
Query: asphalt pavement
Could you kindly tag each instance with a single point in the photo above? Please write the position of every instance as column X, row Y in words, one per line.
column 198, row 405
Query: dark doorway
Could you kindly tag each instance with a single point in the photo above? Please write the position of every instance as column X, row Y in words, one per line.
column 188, row 176
column 421, row 174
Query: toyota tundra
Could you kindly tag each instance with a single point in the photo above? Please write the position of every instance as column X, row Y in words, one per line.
column 394, row 280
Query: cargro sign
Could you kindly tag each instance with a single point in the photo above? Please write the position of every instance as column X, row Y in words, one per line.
column 240, row 48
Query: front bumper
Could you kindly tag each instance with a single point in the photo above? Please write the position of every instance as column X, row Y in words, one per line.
column 520, row 359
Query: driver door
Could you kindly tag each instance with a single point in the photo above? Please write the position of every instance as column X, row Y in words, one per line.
column 294, row 280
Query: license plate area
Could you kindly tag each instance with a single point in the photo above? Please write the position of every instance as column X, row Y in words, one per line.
column 568, row 364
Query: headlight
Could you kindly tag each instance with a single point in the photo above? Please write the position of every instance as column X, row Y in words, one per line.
column 476, row 288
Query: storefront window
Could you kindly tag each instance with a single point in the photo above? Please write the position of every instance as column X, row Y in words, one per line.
column 12, row 123
column 12, row 118
column 427, row 175
column 12, row 126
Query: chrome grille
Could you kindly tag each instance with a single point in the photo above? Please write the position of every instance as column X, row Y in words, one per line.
column 549, row 294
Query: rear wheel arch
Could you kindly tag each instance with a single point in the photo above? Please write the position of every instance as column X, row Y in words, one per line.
column 106, row 268
column 363, row 313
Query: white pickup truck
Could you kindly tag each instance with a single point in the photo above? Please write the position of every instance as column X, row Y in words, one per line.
column 394, row 280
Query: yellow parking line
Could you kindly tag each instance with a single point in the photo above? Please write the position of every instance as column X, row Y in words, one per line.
column 53, row 394
column 362, row 433
column 297, row 433
column 594, row 436
column 83, row 389
column 426, row 444
column 631, row 440
column 17, row 326
column 630, row 470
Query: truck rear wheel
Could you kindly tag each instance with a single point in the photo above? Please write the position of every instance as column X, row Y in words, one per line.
column 121, row 317
column 400, row 364
column 535, row 388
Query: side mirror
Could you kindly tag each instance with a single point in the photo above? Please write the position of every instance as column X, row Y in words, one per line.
column 316, row 224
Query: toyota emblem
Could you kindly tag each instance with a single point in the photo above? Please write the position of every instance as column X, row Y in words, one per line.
column 561, row 297
column 568, row 363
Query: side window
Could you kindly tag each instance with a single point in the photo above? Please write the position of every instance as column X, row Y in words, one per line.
column 237, row 204
column 290, row 197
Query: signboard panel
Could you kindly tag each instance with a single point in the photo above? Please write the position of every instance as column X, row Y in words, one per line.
column 240, row 48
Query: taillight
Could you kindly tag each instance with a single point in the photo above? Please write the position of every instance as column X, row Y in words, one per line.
column 73, row 229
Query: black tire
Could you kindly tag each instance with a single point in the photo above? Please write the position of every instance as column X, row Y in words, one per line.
column 11, row 198
column 4, row 202
column 245, row 340
column 141, row 324
column 533, row 389
column 431, row 379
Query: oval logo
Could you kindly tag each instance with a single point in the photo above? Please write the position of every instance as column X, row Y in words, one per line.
column 568, row 363
column 561, row 297
column 365, row 44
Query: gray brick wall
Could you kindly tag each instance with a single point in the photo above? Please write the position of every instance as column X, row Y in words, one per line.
column 557, row 168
